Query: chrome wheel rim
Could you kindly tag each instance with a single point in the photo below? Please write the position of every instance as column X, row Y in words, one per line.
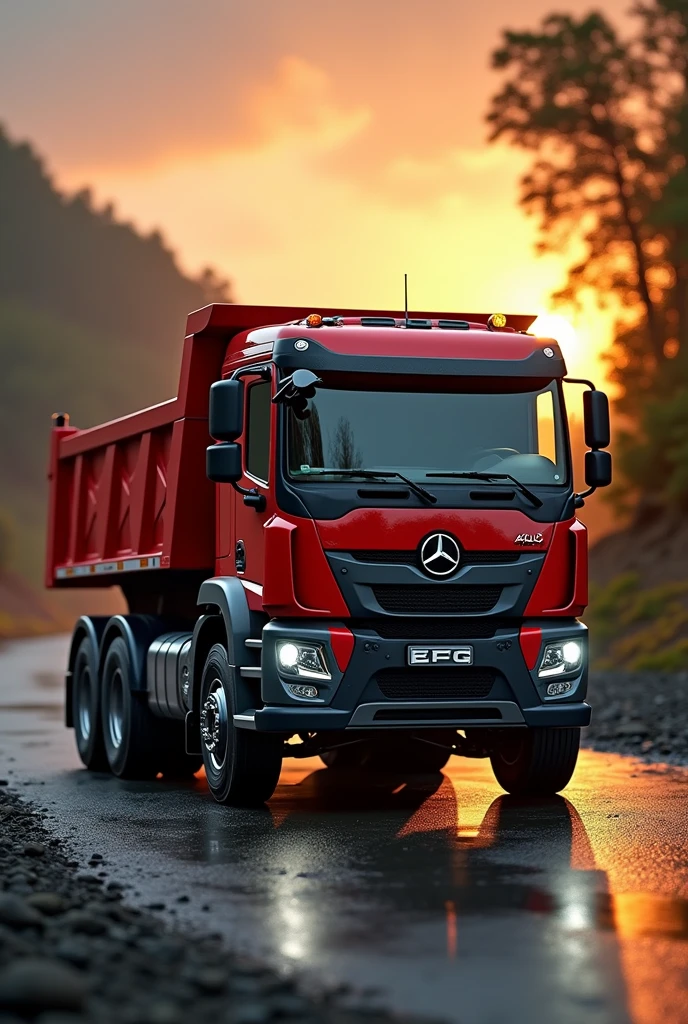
column 215, row 724
column 84, row 703
column 116, row 709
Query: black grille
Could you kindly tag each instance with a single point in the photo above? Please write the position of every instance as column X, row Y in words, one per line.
column 411, row 557
column 431, row 629
column 435, row 683
column 437, row 599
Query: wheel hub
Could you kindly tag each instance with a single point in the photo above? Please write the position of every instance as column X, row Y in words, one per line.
column 116, row 710
column 215, row 724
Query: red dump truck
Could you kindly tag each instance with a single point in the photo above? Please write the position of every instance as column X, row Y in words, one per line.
column 352, row 535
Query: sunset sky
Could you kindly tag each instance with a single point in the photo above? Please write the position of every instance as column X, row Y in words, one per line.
column 312, row 151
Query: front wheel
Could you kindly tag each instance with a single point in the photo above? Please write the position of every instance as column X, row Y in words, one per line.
column 242, row 767
column 535, row 762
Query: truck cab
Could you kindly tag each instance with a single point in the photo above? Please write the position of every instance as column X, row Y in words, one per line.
column 397, row 568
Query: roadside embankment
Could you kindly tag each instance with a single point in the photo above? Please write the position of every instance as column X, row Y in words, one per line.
column 71, row 949
column 640, row 713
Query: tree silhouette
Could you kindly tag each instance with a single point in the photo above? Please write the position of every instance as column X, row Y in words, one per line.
column 607, row 121
column 342, row 448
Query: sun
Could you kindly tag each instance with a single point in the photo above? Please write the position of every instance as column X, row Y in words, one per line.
column 551, row 325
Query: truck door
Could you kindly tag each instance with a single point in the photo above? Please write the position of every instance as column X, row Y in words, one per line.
column 249, row 537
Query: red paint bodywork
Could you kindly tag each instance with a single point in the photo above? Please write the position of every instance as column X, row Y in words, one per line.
column 530, row 639
column 389, row 529
column 342, row 641
column 136, row 488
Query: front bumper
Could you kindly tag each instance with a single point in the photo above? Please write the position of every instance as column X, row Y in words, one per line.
column 354, row 699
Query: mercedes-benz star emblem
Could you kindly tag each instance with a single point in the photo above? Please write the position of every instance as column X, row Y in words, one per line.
column 440, row 554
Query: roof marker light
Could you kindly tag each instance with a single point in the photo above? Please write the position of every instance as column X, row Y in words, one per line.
column 314, row 320
column 496, row 320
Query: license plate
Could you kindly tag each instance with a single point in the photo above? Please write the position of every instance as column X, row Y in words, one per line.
column 444, row 655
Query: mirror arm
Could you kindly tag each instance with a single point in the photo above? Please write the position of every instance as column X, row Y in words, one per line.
column 579, row 380
column 252, row 496
column 579, row 499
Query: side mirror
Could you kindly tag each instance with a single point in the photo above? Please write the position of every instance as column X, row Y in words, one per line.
column 223, row 462
column 226, row 410
column 296, row 390
column 596, row 420
column 598, row 468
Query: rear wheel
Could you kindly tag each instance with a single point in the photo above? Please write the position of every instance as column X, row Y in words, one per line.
column 86, row 708
column 130, row 731
column 535, row 762
column 242, row 767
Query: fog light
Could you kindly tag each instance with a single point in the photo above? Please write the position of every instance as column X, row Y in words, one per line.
column 560, row 658
column 302, row 690
column 556, row 689
column 302, row 659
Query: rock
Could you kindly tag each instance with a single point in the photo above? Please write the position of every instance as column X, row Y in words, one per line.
column 253, row 1011
column 34, row 850
column 74, row 951
column 16, row 913
column 34, row 984
column 162, row 1013
column 632, row 728
column 85, row 922
column 48, row 903
column 211, row 980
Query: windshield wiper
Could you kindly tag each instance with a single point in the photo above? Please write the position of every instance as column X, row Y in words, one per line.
column 374, row 474
column 496, row 476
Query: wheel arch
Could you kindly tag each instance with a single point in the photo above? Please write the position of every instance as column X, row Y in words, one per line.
column 138, row 632
column 227, row 620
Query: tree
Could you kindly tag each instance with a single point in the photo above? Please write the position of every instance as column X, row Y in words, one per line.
column 607, row 121
column 343, row 451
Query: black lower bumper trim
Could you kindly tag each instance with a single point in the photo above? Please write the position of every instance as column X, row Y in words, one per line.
column 433, row 714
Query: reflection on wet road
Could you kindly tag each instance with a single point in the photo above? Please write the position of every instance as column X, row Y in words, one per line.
column 446, row 897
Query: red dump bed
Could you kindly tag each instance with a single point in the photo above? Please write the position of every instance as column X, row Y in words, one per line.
column 132, row 494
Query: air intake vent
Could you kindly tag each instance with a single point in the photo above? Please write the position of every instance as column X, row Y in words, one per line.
column 432, row 629
column 437, row 599
column 436, row 684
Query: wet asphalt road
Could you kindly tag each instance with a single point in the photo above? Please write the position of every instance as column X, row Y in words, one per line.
column 445, row 897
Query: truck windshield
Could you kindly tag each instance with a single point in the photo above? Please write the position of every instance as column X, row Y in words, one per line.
column 423, row 434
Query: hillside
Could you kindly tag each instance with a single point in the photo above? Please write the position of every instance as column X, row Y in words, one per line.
column 92, row 317
column 638, row 611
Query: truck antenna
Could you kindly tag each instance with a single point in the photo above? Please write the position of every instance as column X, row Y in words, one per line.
column 406, row 299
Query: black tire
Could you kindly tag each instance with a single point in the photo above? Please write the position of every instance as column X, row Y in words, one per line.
column 131, row 733
column 242, row 767
column 88, row 731
column 535, row 762
column 398, row 754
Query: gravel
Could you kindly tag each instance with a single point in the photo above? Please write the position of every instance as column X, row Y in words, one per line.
column 73, row 950
column 640, row 713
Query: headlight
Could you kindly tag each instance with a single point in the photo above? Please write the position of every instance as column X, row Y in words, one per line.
column 301, row 659
column 560, row 658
